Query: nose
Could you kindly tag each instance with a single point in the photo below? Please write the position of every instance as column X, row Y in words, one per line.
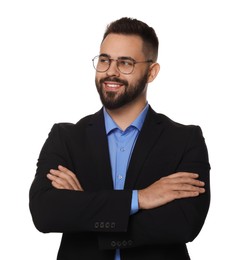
column 113, row 70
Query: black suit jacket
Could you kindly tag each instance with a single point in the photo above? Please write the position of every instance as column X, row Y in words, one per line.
column 97, row 221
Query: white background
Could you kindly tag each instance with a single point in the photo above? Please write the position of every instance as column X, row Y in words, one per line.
column 46, row 76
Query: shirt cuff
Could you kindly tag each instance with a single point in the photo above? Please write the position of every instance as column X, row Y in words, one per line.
column 134, row 202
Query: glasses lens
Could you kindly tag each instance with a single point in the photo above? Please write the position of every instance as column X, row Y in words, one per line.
column 101, row 63
column 125, row 66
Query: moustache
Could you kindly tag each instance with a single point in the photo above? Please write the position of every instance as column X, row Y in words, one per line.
column 124, row 82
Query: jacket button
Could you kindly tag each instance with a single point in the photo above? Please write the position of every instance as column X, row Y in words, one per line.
column 112, row 225
column 96, row 224
column 102, row 225
column 130, row 242
column 107, row 225
column 113, row 243
column 124, row 243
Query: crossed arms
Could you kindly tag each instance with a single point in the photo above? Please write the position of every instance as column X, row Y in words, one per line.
column 175, row 186
column 172, row 209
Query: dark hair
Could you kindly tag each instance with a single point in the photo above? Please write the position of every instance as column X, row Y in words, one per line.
column 130, row 26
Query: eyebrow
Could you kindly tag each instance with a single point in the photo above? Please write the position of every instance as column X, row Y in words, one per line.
column 121, row 57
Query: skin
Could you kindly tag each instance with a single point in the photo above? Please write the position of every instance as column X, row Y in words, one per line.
column 175, row 186
column 116, row 46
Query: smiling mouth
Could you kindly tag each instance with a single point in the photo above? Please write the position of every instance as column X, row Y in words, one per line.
column 112, row 85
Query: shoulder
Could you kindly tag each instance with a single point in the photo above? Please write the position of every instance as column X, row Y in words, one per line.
column 173, row 128
column 81, row 125
column 166, row 121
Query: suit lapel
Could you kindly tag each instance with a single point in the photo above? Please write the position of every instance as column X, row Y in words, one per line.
column 96, row 135
column 148, row 136
column 100, row 150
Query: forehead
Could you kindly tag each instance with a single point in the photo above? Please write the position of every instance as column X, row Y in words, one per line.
column 119, row 45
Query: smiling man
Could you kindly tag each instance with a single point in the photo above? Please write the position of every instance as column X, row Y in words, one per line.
column 126, row 182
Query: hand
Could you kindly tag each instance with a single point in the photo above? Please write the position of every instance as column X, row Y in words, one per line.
column 175, row 186
column 64, row 179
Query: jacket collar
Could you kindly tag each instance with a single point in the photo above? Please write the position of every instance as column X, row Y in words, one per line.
column 96, row 132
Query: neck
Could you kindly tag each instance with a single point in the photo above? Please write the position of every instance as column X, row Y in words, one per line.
column 125, row 115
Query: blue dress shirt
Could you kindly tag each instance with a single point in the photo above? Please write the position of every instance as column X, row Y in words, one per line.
column 121, row 144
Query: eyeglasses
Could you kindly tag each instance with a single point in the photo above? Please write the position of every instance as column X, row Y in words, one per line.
column 125, row 65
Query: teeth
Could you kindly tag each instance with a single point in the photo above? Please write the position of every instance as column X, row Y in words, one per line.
column 112, row 85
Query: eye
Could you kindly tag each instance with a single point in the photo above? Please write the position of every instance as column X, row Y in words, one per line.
column 125, row 63
column 104, row 60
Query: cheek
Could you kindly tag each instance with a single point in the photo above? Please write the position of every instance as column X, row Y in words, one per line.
column 137, row 74
column 97, row 79
column 135, row 79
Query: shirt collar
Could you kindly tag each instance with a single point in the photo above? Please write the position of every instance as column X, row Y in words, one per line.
column 137, row 123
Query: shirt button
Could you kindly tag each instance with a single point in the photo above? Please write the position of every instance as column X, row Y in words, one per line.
column 120, row 177
column 122, row 149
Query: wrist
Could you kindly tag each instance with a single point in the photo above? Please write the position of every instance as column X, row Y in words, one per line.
column 141, row 200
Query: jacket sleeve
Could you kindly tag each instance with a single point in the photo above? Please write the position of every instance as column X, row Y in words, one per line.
column 177, row 222
column 55, row 210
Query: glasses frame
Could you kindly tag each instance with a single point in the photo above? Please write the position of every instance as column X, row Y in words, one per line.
column 117, row 64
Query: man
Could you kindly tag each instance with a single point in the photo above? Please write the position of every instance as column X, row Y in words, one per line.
column 126, row 182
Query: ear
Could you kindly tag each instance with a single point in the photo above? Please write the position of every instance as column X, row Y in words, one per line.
column 153, row 71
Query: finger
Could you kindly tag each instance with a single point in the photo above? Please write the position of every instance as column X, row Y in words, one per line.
column 58, row 182
column 66, row 179
column 56, row 185
column 185, row 194
column 187, row 187
column 72, row 175
column 186, row 180
column 183, row 175
column 66, row 171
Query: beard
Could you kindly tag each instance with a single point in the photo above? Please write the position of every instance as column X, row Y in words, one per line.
column 114, row 100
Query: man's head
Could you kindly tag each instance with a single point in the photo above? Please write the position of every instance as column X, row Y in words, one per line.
column 126, row 63
column 129, row 26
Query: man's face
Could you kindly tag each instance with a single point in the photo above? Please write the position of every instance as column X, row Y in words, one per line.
column 115, row 88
